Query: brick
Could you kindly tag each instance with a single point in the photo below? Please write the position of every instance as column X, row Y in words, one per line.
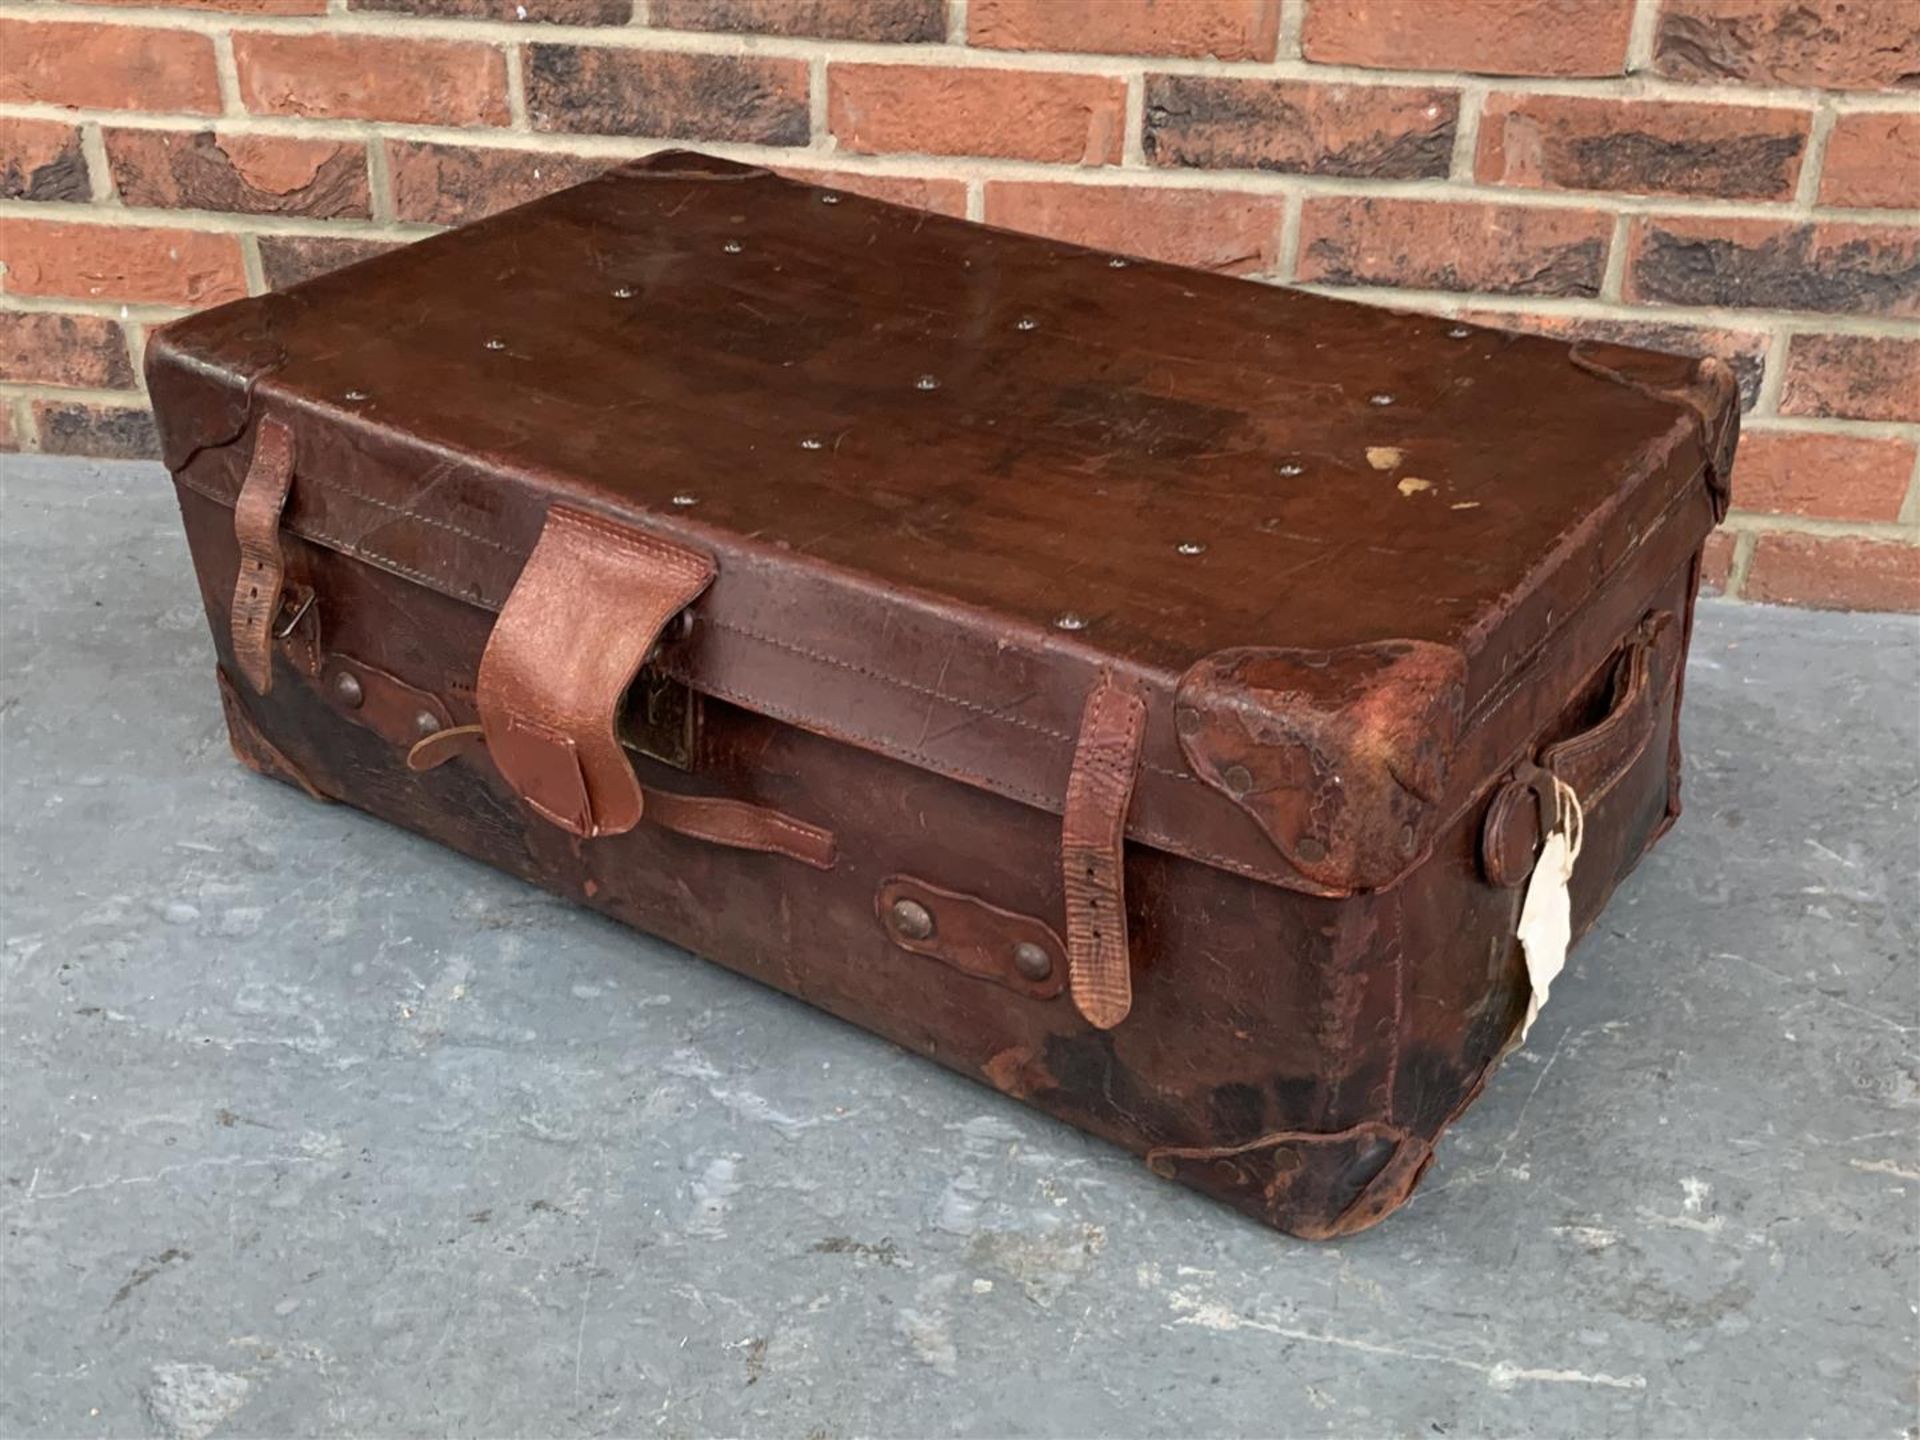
column 1852, row 377
column 1452, row 245
column 1834, row 572
column 744, row 98
column 1006, row 114
column 1375, row 132
column 1873, row 161
column 1744, row 350
column 1514, row 37
column 1236, row 234
column 1716, row 562
column 86, row 352
column 42, row 160
column 551, row 12
column 107, row 432
column 438, row 184
column 248, row 174
column 941, row 196
column 1648, row 147
column 1832, row 477
column 232, row 7
column 107, row 67
column 287, row 260
column 372, row 77
column 1222, row 29
column 900, row 22
column 1776, row 264
column 1827, row 44
column 136, row 263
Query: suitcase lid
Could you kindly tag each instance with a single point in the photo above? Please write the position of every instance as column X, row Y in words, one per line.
column 952, row 476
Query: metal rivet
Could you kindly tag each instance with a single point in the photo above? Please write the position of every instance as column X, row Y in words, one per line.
column 1191, row 547
column 829, row 199
column 1381, row 398
column 347, row 690
column 911, row 919
column 1291, row 469
column 1310, row 850
column 426, row 723
column 1025, row 322
column 732, row 247
column 496, row 344
column 1237, row 778
column 1409, row 840
column 812, row 444
column 1459, row 332
column 1032, row 961
column 1117, row 263
column 1070, row 622
column 927, row 382
column 1186, row 720
column 356, row 395
column 623, row 292
column 685, row 500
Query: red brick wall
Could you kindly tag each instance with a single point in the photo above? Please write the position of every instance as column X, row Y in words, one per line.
column 1739, row 177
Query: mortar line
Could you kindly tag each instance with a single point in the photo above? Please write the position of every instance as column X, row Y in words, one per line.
column 956, row 22
column 250, row 262
column 1466, row 133
column 1640, row 36
column 1909, row 513
column 1613, row 278
column 514, row 56
column 226, row 72
column 1133, row 136
column 1293, row 20
column 26, row 434
column 819, row 117
column 93, row 145
column 1740, row 563
column 379, row 180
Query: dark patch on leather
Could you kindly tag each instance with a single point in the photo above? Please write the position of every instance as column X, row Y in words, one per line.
column 1781, row 272
column 1092, row 1079
column 1238, row 1113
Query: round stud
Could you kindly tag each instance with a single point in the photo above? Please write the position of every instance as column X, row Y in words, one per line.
column 683, row 501
column 1026, row 322
column 927, row 382
column 1310, row 850
column 1459, row 332
column 1380, row 398
column 911, row 920
column 1290, row 469
column 732, row 247
column 1187, row 720
column 1070, row 622
column 347, row 690
column 829, row 199
column 1032, row 961
column 496, row 344
column 426, row 723
column 1409, row 840
column 1191, row 547
column 357, row 395
column 810, row 443
column 1238, row 779
column 1117, row 263
column 623, row 292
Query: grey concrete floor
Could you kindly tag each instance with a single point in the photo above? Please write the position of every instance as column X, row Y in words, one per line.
column 311, row 1129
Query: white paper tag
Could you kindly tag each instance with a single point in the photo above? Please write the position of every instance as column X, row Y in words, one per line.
column 1546, row 915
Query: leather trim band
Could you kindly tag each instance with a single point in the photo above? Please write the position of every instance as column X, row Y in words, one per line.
column 585, row 613
column 263, row 568
column 1092, row 846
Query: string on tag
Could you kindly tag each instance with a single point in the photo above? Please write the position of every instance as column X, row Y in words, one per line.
column 1546, row 915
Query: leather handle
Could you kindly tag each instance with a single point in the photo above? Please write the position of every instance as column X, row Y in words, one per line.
column 587, row 610
column 1592, row 762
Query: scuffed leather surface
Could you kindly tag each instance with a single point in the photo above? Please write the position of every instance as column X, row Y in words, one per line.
column 1341, row 756
column 873, row 595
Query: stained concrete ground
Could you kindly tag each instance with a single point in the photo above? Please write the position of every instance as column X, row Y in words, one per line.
column 309, row 1128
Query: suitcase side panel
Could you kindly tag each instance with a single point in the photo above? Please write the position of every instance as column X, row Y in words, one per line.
column 1293, row 1055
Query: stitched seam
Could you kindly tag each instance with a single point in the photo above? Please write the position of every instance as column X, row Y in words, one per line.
column 345, row 489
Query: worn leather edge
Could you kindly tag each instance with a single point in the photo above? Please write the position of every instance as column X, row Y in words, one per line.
column 1706, row 387
column 252, row 748
column 1342, row 757
column 1093, row 828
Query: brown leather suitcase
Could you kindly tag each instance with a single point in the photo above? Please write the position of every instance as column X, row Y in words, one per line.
column 1142, row 691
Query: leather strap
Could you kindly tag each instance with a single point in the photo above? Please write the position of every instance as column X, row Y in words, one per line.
column 1092, row 844
column 584, row 615
column 263, row 569
column 732, row 823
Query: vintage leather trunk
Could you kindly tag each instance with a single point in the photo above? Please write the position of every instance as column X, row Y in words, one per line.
column 1139, row 690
